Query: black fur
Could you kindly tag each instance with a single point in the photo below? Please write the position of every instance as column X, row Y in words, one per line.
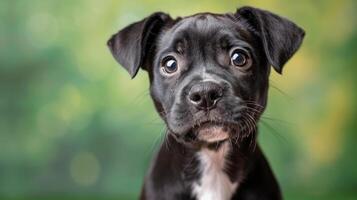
column 202, row 45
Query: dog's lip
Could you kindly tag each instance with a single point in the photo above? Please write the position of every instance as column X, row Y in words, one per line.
column 194, row 136
column 212, row 131
column 207, row 124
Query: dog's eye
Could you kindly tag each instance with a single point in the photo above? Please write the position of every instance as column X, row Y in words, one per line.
column 169, row 65
column 239, row 58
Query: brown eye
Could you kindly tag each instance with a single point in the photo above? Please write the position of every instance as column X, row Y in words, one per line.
column 239, row 58
column 169, row 64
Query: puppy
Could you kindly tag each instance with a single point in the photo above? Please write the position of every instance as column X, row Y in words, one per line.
column 209, row 78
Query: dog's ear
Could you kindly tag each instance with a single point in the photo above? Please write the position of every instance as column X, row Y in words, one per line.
column 280, row 37
column 131, row 45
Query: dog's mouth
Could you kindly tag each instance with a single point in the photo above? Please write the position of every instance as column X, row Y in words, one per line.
column 210, row 132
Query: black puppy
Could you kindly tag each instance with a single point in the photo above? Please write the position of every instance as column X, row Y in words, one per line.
column 209, row 77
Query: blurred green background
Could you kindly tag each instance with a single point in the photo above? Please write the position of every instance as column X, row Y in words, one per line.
column 74, row 126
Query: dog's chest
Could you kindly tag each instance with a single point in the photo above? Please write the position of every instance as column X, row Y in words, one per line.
column 214, row 184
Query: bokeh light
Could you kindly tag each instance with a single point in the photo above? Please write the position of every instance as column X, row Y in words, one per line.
column 73, row 125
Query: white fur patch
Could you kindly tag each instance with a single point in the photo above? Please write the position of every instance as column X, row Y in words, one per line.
column 214, row 183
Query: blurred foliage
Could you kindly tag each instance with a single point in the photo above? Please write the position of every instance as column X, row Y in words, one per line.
column 73, row 125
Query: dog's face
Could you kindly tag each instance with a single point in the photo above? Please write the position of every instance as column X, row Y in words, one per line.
column 208, row 77
column 209, row 73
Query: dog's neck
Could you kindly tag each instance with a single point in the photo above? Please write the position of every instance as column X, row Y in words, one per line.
column 214, row 183
column 213, row 172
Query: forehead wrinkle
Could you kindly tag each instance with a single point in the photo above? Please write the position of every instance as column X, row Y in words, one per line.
column 200, row 30
column 205, row 22
column 199, row 23
column 169, row 43
column 236, row 40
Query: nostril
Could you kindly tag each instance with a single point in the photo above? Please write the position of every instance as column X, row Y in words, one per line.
column 205, row 95
column 195, row 97
column 214, row 95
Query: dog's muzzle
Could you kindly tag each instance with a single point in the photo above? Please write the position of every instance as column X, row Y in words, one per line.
column 203, row 97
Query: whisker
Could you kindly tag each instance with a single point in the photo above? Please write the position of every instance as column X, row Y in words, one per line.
column 138, row 99
column 249, row 126
column 278, row 120
column 273, row 130
column 253, row 109
column 253, row 119
column 166, row 141
column 158, row 140
column 281, row 91
column 253, row 103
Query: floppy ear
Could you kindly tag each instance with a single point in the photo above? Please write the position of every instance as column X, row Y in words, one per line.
column 280, row 37
column 131, row 45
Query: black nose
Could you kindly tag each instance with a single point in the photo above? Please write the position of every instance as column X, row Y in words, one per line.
column 205, row 95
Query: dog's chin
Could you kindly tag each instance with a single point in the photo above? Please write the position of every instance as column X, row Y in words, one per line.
column 212, row 133
column 206, row 133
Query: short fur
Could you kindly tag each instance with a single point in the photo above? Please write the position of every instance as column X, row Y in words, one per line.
column 209, row 153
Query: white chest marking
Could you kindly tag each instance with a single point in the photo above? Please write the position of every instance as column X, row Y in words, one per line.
column 214, row 183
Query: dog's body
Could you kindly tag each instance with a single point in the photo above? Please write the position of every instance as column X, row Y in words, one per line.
column 219, row 173
column 209, row 77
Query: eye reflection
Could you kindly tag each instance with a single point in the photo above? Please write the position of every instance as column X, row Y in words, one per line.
column 239, row 58
column 169, row 65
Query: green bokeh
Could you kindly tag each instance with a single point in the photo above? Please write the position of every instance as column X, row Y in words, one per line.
column 74, row 126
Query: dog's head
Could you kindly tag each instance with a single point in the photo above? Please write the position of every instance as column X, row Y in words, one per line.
column 209, row 73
